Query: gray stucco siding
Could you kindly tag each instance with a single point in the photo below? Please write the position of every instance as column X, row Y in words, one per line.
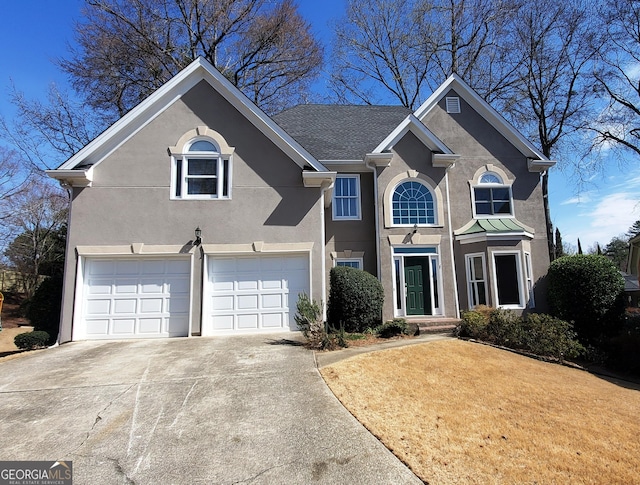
column 130, row 200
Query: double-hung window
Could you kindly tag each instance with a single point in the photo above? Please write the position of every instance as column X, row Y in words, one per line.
column 476, row 280
column 202, row 172
column 492, row 197
column 346, row 197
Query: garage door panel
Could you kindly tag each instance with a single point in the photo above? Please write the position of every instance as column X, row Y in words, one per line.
column 245, row 283
column 136, row 298
column 273, row 301
column 124, row 306
column 127, row 267
column 99, row 307
column 151, row 305
column 274, row 320
column 152, row 286
column 252, row 293
column 97, row 328
column 125, row 286
column 248, row 321
column 124, row 326
column 247, row 302
column 150, row 325
column 178, row 304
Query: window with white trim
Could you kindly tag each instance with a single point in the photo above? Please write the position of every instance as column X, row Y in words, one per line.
column 201, row 172
column 351, row 262
column 346, row 197
column 491, row 197
column 528, row 273
column 412, row 203
column 508, row 279
column 476, row 279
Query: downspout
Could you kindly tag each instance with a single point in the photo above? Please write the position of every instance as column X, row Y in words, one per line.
column 324, row 188
column 374, row 169
column 453, row 264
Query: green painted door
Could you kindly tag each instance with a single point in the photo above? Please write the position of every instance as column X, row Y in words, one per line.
column 416, row 278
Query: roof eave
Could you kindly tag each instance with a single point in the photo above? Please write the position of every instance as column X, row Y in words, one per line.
column 200, row 69
column 485, row 110
column 73, row 178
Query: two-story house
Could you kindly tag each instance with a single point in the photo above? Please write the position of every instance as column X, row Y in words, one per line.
column 198, row 214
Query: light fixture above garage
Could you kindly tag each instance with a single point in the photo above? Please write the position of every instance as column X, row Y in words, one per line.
column 198, row 239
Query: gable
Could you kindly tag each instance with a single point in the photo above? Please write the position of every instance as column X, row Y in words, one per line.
column 454, row 86
column 198, row 71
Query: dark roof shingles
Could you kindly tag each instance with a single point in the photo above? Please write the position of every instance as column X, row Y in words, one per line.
column 340, row 132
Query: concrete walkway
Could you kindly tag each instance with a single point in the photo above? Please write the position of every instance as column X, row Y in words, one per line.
column 223, row 410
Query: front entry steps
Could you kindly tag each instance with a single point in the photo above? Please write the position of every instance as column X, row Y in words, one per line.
column 432, row 325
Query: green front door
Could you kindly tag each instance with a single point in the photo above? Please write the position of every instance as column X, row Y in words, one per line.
column 417, row 284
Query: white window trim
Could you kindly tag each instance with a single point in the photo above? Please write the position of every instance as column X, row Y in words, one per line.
column 357, row 217
column 511, row 215
column 519, row 276
column 359, row 261
column 436, row 214
column 529, row 283
column 180, row 152
column 470, row 280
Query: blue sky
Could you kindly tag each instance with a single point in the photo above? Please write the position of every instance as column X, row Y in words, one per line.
column 35, row 32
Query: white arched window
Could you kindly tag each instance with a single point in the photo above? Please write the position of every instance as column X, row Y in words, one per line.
column 201, row 171
column 413, row 203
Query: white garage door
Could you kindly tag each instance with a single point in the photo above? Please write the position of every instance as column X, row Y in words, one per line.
column 135, row 298
column 254, row 293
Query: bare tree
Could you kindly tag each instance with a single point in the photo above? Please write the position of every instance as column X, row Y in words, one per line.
column 381, row 51
column 38, row 216
column 44, row 134
column 128, row 48
column 617, row 78
column 557, row 42
column 409, row 47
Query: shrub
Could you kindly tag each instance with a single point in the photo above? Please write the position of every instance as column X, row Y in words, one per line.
column 474, row 325
column 355, row 299
column 392, row 328
column 36, row 339
column 624, row 352
column 504, row 328
column 309, row 320
column 43, row 309
column 550, row 336
column 536, row 333
column 587, row 290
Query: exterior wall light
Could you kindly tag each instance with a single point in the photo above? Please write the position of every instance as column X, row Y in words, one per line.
column 198, row 239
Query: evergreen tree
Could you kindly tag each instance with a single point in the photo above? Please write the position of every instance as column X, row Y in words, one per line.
column 558, row 244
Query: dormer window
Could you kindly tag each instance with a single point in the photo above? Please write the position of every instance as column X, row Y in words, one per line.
column 201, row 172
column 492, row 197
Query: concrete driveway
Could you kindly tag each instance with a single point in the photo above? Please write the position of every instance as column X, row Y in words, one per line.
column 223, row 410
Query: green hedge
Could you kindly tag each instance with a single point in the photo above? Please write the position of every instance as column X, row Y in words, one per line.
column 355, row 299
column 587, row 290
column 36, row 339
column 539, row 334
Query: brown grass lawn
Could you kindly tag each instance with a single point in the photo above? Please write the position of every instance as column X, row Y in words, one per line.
column 459, row 412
